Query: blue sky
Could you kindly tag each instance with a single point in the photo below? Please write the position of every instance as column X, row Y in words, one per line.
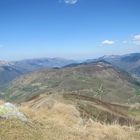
column 75, row 29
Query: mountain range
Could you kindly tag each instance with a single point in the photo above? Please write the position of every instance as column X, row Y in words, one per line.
column 97, row 79
column 11, row 70
column 111, row 78
column 129, row 62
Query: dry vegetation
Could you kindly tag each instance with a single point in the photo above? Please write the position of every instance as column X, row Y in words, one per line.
column 17, row 130
column 62, row 122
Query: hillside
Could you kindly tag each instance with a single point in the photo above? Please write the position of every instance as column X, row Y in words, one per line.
column 90, row 108
column 98, row 79
column 8, row 73
column 55, row 118
column 11, row 70
column 129, row 62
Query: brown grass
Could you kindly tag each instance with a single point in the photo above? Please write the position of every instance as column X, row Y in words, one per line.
column 62, row 122
column 17, row 130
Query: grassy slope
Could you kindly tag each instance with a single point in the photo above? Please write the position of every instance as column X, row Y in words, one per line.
column 95, row 80
column 90, row 107
column 103, row 111
column 62, row 122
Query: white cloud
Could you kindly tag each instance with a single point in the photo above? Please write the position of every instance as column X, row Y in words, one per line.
column 70, row 1
column 136, row 39
column 108, row 42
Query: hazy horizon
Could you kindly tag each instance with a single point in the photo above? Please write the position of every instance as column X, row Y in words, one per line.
column 78, row 60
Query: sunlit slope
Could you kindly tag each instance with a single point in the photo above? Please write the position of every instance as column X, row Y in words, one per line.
column 71, row 117
column 90, row 108
column 98, row 79
column 62, row 121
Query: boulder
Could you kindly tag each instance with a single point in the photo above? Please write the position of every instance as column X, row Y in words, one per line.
column 10, row 111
